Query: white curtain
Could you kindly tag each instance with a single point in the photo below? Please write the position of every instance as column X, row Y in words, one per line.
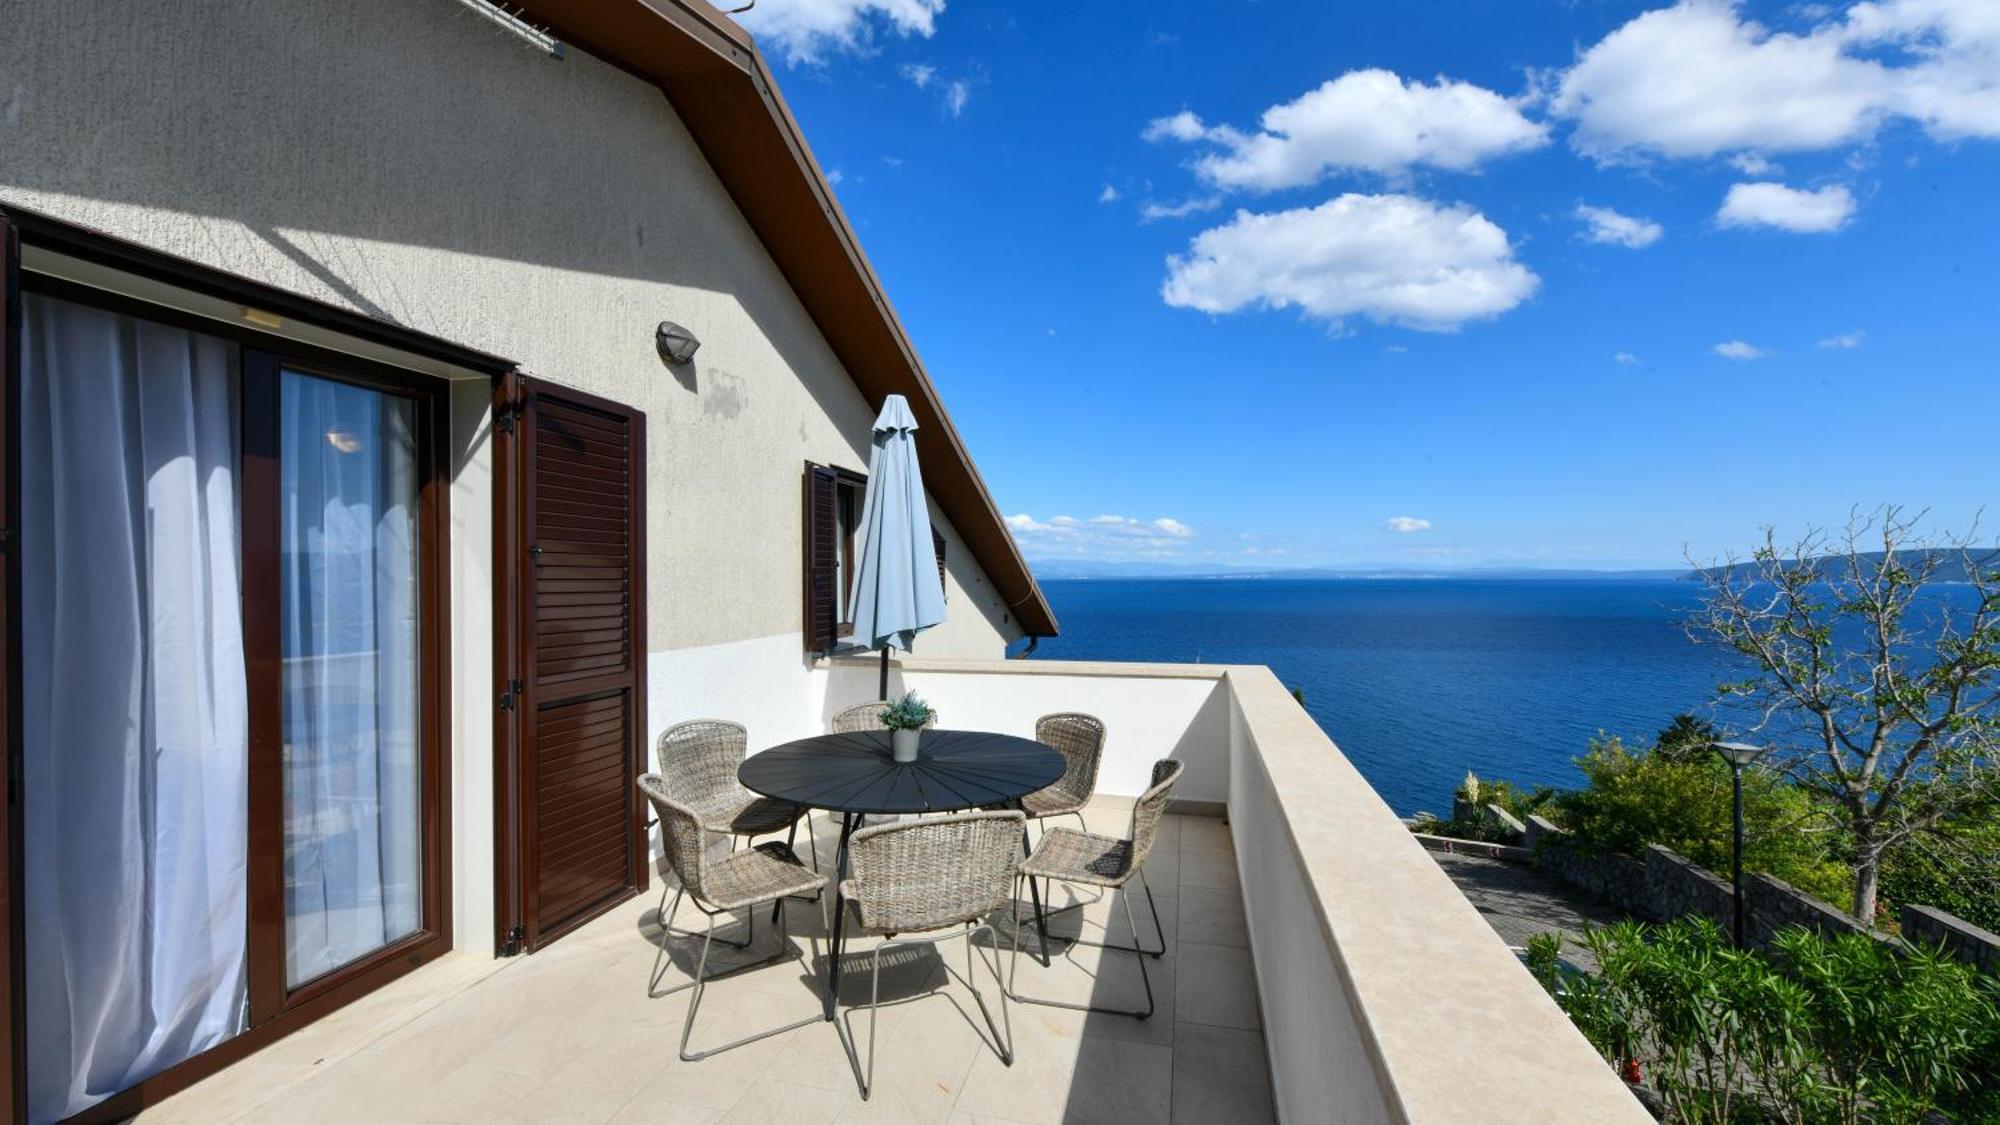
column 353, row 856
column 134, row 708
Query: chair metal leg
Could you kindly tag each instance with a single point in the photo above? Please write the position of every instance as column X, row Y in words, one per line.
column 702, row 980
column 1003, row 1034
column 1137, row 947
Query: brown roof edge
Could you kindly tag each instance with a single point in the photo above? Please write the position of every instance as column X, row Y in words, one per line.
column 712, row 72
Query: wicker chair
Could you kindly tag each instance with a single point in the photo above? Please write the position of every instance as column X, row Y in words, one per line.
column 1067, row 856
column 719, row 885
column 698, row 763
column 929, row 874
column 1079, row 738
column 865, row 717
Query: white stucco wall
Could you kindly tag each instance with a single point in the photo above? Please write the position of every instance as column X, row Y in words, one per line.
column 405, row 159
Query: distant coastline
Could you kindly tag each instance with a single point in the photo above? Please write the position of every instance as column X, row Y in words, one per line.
column 1951, row 568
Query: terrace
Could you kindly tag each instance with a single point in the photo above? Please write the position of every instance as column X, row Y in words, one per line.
column 1320, row 967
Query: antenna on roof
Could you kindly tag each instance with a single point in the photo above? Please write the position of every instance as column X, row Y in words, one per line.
column 514, row 22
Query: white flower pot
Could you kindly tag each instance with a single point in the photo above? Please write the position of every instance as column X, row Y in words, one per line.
column 903, row 744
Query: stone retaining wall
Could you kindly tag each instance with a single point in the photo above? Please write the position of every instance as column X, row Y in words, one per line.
column 1663, row 886
column 1980, row 948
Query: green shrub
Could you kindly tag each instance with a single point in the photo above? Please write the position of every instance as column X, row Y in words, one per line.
column 1838, row 1029
column 1478, row 792
column 1636, row 799
column 1956, row 869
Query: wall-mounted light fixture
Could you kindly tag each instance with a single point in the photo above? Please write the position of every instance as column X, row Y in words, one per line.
column 677, row 345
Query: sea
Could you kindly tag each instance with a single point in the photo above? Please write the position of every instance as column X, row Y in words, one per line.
column 1419, row 680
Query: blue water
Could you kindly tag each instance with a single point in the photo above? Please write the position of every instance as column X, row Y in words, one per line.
column 1420, row 680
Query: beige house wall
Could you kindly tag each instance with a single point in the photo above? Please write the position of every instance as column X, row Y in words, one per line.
column 410, row 161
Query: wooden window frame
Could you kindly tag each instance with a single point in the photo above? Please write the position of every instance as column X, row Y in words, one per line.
column 844, row 481
column 275, row 1010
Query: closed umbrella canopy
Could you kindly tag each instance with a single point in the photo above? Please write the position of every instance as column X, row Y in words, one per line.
column 897, row 591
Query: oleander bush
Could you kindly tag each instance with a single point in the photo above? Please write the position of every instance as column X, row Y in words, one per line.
column 1841, row 1030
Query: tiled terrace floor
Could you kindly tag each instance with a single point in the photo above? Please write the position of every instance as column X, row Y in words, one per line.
column 570, row 1034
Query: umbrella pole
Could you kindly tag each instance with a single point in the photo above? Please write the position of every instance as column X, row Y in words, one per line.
column 885, row 674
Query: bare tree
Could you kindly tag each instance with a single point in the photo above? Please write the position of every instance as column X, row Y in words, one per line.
column 1875, row 673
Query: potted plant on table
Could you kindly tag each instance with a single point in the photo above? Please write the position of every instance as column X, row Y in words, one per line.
column 906, row 719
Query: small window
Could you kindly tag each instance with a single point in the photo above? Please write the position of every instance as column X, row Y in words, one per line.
column 850, row 490
column 834, row 499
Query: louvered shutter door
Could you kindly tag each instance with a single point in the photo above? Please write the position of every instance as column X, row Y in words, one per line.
column 582, row 650
column 822, row 562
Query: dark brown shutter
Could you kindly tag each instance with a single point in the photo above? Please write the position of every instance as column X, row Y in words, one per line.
column 13, row 1091
column 580, row 647
column 822, row 562
column 937, row 544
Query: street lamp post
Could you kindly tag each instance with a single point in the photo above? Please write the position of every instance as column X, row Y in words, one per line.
column 1738, row 755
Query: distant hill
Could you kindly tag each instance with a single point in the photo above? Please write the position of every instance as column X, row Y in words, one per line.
column 1950, row 563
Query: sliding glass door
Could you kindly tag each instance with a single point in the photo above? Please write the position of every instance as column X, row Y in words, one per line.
column 231, row 657
column 348, row 575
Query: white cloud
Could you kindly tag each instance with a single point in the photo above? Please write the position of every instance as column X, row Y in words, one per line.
column 806, row 31
column 956, row 93
column 834, row 176
column 1844, row 341
column 1626, row 359
column 1108, row 195
column 1394, row 259
column 1753, row 164
column 1698, row 80
column 1100, row 535
column 1787, row 208
column 1608, row 226
column 1182, row 126
column 1403, row 525
column 1195, row 206
column 919, row 74
column 1365, row 120
column 1739, row 350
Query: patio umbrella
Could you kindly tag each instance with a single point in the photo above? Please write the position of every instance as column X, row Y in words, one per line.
column 897, row 590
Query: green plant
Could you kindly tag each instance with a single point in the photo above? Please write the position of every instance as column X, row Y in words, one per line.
column 908, row 713
column 1636, row 799
column 1954, row 867
column 1842, row 1030
column 1477, row 793
column 1686, row 738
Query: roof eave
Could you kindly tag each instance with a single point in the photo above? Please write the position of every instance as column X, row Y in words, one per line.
column 711, row 71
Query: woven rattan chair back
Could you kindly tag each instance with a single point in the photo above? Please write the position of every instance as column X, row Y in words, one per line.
column 1151, row 806
column 699, row 759
column 1079, row 738
column 865, row 717
column 939, row 871
column 680, row 833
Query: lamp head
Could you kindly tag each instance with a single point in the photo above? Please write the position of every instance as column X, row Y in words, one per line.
column 1738, row 754
column 677, row 345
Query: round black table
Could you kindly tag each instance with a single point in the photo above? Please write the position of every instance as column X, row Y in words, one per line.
column 854, row 775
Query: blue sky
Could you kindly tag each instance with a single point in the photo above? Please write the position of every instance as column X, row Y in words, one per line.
column 1548, row 284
